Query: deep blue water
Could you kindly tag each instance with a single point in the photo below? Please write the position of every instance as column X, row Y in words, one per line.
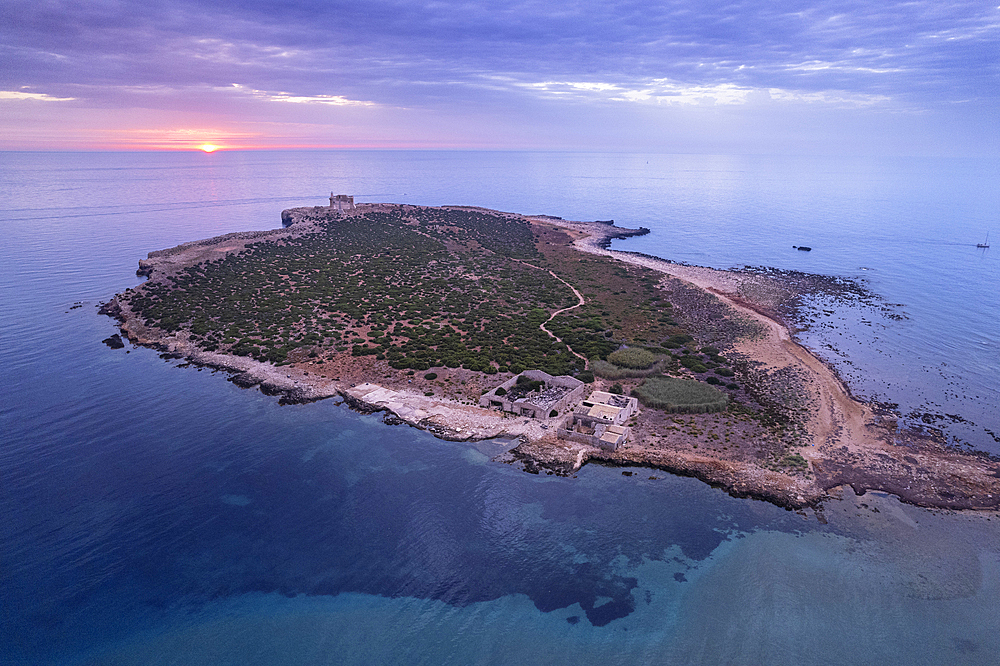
column 153, row 514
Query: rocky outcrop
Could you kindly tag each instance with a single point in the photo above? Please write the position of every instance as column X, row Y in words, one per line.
column 114, row 341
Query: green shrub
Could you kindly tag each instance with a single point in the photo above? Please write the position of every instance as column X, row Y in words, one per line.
column 553, row 414
column 680, row 395
column 713, row 380
column 725, row 372
column 693, row 363
column 795, row 460
column 431, row 375
column 616, row 388
column 610, row 371
column 501, row 391
column 633, row 358
column 587, row 377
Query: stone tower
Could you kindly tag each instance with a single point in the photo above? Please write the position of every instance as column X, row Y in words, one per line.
column 341, row 202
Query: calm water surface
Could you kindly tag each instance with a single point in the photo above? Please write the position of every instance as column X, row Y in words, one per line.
column 159, row 515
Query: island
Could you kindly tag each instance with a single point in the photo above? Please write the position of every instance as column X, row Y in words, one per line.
column 475, row 324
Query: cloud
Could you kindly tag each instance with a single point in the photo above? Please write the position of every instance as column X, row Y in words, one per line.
column 663, row 91
column 38, row 97
column 442, row 55
column 332, row 100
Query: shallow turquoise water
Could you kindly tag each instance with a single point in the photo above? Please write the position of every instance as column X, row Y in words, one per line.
column 153, row 514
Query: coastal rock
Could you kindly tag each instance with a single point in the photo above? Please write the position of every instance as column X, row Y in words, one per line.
column 111, row 309
column 359, row 405
column 619, row 233
column 244, row 380
column 267, row 388
column 115, row 341
column 296, row 396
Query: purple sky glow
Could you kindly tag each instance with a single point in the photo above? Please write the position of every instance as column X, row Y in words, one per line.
column 783, row 76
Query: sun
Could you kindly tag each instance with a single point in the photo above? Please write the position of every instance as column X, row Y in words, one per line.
column 209, row 147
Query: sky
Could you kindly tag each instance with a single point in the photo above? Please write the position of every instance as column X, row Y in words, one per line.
column 683, row 76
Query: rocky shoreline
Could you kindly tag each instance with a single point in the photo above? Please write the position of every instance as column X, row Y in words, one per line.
column 851, row 444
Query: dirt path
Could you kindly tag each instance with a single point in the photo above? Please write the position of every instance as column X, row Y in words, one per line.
column 580, row 301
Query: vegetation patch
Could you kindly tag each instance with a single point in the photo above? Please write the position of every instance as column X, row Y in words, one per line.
column 418, row 287
column 612, row 371
column 680, row 395
column 421, row 288
column 693, row 363
column 634, row 358
column 795, row 460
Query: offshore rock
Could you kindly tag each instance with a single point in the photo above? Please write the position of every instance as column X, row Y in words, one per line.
column 115, row 341
column 111, row 309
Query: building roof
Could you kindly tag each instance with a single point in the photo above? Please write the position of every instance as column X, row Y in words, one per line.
column 612, row 399
column 604, row 412
column 611, row 437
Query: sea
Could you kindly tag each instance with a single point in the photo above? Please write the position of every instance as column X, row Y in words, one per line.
column 155, row 513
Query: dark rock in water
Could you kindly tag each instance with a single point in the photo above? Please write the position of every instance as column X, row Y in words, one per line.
column 295, row 396
column 270, row 389
column 169, row 356
column 573, row 619
column 244, row 380
column 115, row 341
column 111, row 309
column 286, row 218
column 802, row 248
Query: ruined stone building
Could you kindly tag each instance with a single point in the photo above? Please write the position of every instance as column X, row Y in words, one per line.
column 600, row 420
column 553, row 395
